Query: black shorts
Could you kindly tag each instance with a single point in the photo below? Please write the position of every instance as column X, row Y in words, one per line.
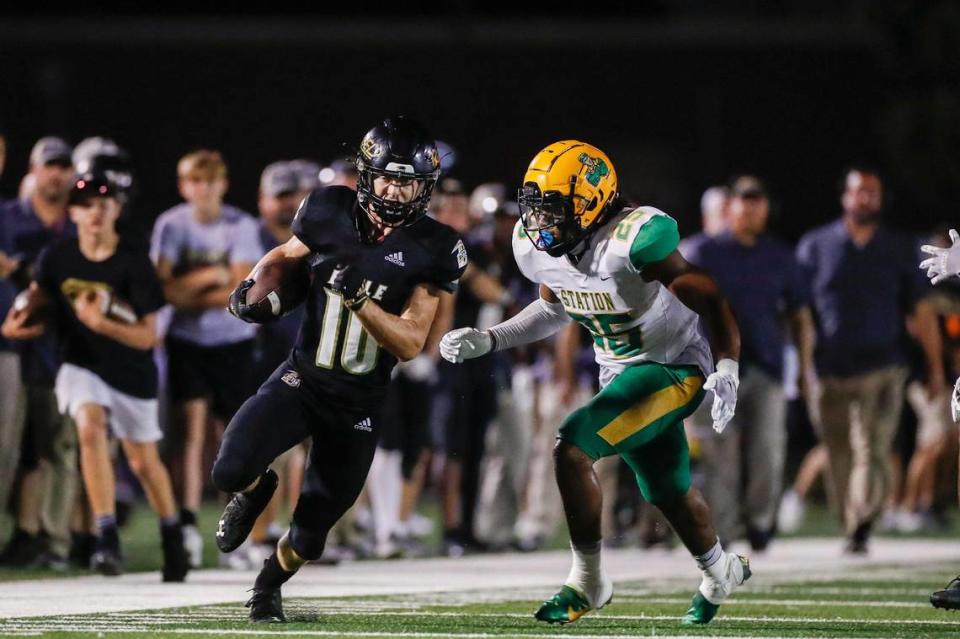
column 286, row 410
column 219, row 374
column 406, row 420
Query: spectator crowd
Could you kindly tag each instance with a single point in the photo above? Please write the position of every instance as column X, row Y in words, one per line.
column 846, row 350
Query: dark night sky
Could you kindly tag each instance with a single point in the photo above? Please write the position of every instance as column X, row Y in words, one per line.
column 676, row 112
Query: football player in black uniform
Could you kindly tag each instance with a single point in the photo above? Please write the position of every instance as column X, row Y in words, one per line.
column 378, row 269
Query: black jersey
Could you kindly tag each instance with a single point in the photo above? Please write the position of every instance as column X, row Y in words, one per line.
column 333, row 350
column 63, row 272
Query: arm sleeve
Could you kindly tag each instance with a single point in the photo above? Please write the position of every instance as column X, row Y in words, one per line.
column 449, row 265
column 538, row 320
column 43, row 273
column 323, row 221
column 796, row 293
column 656, row 239
column 163, row 241
column 247, row 249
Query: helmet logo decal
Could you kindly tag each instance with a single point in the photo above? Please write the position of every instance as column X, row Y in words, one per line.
column 596, row 168
column 431, row 156
column 370, row 147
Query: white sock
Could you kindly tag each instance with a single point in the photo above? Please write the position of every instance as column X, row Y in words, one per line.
column 385, row 486
column 586, row 574
column 711, row 559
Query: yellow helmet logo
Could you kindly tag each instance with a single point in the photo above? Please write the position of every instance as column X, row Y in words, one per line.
column 579, row 174
column 577, row 170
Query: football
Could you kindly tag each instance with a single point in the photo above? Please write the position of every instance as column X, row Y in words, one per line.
column 284, row 282
column 33, row 303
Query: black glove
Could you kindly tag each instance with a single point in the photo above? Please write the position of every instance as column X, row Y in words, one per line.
column 347, row 281
column 258, row 313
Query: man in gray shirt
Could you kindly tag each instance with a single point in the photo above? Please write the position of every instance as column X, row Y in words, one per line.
column 203, row 248
column 864, row 282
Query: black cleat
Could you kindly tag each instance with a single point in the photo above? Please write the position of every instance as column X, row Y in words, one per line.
column 266, row 606
column 858, row 542
column 106, row 558
column 176, row 561
column 107, row 562
column 23, row 550
column 949, row 597
column 238, row 517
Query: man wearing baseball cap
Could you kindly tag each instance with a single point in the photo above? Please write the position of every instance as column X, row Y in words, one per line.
column 27, row 225
column 762, row 280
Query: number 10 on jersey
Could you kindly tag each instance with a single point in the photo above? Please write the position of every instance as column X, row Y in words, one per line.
column 358, row 352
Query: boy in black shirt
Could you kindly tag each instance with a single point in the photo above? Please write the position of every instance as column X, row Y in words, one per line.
column 108, row 375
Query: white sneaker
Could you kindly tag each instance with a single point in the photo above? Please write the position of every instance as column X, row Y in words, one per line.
column 193, row 543
column 734, row 573
column 418, row 526
column 718, row 583
column 792, row 509
column 387, row 550
column 909, row 522
column 890, row 521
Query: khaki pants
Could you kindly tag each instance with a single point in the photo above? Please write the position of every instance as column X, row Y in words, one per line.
column 54, row 438
column 859, row 417
column 11, row 425
column 743, row 466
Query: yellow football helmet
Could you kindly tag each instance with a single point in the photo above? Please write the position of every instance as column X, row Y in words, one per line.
column 567, row 191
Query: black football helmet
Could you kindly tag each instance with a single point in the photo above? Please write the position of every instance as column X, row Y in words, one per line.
column 91, row 184
column 401, row 148
column 106, row 158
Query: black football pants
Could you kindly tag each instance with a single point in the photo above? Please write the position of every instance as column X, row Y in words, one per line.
column 282, row 414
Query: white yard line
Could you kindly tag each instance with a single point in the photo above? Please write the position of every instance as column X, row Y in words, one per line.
column 424, row 635
column 476, row 579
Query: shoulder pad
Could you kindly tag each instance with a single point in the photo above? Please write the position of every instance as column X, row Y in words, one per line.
column 645, row 235
column 451, row 262
column 324, row 221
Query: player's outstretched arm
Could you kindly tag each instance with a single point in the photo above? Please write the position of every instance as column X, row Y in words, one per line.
column 699, row 292
column 538, row 320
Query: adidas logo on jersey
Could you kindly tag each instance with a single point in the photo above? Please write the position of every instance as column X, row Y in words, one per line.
column 396, row 258
column 364, row 425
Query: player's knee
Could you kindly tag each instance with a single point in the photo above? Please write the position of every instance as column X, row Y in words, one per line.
column 664, row 493
column 231, row 476
column 308, row 544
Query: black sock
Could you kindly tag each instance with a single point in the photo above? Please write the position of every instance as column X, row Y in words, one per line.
column 263, row 491
column 108, row 539
column 188, row 517
column 272, row 575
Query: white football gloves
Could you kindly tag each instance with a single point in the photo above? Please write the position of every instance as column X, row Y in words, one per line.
column 724, row 384
column 465, row 343
column 945, row 262
column 955, row 402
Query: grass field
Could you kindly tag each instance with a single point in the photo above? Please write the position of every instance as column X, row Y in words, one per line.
column 871, row 601
column 799, row 592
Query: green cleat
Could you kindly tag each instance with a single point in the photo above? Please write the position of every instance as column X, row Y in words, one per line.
column 702, row 610
column 566, row 606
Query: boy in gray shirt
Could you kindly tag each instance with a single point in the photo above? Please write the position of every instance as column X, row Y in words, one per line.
column 203, row 248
